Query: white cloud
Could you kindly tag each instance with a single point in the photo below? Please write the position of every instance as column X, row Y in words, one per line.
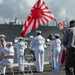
column 62, row 14
column 30, row 3
column 1, row 1
column 9, row 9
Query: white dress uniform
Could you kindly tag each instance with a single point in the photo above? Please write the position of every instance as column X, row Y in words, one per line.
column 56, row 45
column 9, row 52
column 2, row 69
column 20, row 46
column 2, row 36
column 38, row 43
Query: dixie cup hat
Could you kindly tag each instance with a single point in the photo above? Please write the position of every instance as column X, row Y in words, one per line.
column 38, row 31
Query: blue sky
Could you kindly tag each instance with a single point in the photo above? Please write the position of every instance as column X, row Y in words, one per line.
column 11, row 9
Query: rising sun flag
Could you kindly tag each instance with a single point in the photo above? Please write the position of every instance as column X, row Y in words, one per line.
column 61, row 25
column 39, row 15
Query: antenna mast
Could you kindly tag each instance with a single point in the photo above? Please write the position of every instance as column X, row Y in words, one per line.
column 67, row 18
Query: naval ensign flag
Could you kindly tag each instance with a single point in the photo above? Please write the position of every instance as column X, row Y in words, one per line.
column 39, row 15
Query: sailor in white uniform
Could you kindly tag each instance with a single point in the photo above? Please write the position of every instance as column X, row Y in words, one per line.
column 20, row 47
column 50, row 59
column 38, row 43
column 2, row 53
column 2, row 69
column 2, row 39
column 56, row 45
column 31, row 39
column 9, row 51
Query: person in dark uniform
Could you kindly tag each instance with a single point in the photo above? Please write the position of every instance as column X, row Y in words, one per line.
column 50, row 36
column 69, row 42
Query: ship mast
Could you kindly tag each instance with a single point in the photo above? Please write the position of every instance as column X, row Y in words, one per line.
column 67, row 18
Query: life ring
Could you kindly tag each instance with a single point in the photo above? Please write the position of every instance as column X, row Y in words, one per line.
column 28, row 55
column 27, row 51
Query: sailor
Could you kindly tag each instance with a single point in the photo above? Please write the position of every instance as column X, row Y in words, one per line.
column 56, row 45
column 20, row 47
column 2, row 53
column 2, row 69
column 33, row 51
column 2, row 41
column 50, row 59
column 50, row 36
column 38, row 43
column 31, row 37
column 9, row 52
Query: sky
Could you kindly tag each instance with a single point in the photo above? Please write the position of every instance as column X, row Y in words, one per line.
column 11, row 9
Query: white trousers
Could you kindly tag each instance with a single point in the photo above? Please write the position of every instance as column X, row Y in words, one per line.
column 21, row 60
column 2, row 68
column 39, row 63
column 56, row 54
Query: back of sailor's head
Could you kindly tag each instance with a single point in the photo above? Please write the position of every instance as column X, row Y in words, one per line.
column 38, row 32
column 20, row 38
column 9, row 43
column 31, row 37
column 57, row 35
column 2, row 35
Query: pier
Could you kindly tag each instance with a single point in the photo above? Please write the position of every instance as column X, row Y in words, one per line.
column 47, row 70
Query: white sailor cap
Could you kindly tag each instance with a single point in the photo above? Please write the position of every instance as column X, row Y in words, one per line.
column 57, row 35
column 31, row 36
column 53, row 37
column 2, row 35
column 38, row 31
column 48, row 40
column 9, row 43
column 20, row 38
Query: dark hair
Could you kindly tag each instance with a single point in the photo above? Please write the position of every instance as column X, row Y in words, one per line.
column 50, row 36
column 38, row 33
column 57, row 37
column 72, row 23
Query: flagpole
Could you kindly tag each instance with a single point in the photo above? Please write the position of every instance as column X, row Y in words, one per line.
column 57, row 24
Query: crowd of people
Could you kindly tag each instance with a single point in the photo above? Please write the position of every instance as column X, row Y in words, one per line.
column 6, row 49
column 37, row 45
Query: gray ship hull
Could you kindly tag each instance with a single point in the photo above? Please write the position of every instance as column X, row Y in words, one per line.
column 13, row 31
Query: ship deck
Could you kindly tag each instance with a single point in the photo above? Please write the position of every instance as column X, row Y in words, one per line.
column 47, row 70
